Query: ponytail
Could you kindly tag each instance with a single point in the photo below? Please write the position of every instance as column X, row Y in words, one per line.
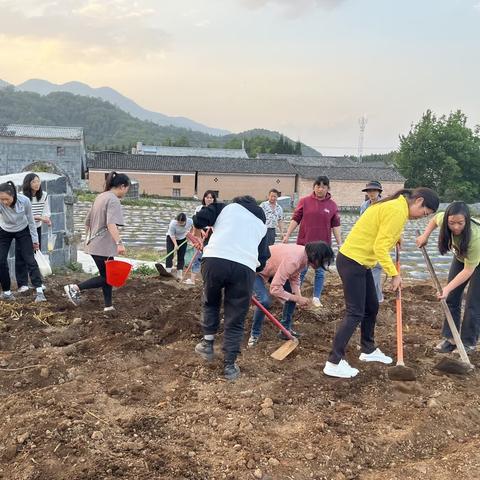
column 115, row 180
column 430, row 198
column 10, row 189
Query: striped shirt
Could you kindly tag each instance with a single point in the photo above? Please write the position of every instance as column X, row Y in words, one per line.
column 40, row 208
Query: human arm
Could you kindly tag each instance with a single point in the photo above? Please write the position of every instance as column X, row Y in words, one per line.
column 337, row 233
column 45, row 218
column 291, row 227
column 115, row 233
column 422, row 239
column 31, row 225
column 456, row 281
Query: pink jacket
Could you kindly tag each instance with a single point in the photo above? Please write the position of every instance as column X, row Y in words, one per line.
column 286, row 262
column 316, row 218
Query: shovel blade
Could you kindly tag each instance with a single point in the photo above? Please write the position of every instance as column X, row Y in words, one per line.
column 161, row 270
column 286, row 349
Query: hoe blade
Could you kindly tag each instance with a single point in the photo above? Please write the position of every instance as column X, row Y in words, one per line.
column 286, row 349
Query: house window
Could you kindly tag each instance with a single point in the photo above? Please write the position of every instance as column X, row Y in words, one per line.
column 176, row 192
column 60, row 151
column 177, row 179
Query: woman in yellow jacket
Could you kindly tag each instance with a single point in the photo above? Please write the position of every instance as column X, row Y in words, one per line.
column 368, row 243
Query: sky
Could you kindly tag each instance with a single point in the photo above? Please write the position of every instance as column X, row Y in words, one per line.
column 307, row 68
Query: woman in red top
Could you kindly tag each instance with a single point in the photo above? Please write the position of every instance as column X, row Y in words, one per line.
column 317, row 215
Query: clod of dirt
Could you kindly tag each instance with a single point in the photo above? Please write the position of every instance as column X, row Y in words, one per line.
column 401, row 373
column 433, row 403
column 268, row 412
column 258, row 473
column 267, row 403
column 450, row 365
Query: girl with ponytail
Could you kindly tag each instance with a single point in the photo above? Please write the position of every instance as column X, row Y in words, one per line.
column 17, row 223
column 368, row 243
column 103, row 237
column 460, row 234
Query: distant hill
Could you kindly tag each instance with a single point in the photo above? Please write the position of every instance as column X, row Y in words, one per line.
column 107, row 126
column 3, row 84
column 43, row 87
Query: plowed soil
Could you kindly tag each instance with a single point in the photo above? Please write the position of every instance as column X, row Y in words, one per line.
column 85, row 395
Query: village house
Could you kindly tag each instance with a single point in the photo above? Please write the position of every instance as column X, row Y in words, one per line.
column 61, row 150
column 185, row 177
column 347, row 177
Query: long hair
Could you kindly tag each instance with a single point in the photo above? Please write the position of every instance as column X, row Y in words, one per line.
column 319, row 254
column 207, row 193
column 115, row 179
column 27, row 189
column 430, row 198
column 445, row 234
column 10, row 189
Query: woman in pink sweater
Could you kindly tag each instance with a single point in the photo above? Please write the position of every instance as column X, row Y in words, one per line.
column 283, row 270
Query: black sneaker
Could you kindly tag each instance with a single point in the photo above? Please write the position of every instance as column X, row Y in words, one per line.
column 469, row 349
column 231, row 371
column 445, row 347
column 205, row 349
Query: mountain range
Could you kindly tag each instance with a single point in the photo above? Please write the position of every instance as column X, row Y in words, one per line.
column 44, row 87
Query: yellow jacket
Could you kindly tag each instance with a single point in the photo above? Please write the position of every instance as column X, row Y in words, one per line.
column 376, row 233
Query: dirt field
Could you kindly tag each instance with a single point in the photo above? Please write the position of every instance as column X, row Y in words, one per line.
column 88, row 396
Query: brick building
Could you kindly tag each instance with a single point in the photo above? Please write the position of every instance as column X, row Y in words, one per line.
column 189, row 176
column 293, row 176
column 26, row 147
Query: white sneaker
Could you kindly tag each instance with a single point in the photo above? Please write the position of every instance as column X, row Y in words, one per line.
column 375, row 356
column 316, row 302
column 23, row 289
column 342, row 370
column 189, row 281
column 179, row 275
column 168, row 269
column 109, row 309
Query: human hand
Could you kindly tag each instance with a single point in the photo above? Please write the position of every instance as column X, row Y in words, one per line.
column 121, row 249
column 421, row 241
column 36, row 246
column 302, row 301
column 444, row 294
column 396, row 283
column 47, row 221
column 285, row 238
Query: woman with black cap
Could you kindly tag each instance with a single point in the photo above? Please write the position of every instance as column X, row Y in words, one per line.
column 373, row 191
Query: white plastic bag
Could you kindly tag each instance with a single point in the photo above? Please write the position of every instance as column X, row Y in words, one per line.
column 43, row 264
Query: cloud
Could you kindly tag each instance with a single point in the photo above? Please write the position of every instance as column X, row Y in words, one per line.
column 106, row 29
column 295, row 7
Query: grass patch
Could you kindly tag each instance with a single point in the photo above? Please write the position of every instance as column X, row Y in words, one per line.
column 142, row 253
column 132, row 202
column 144, row 271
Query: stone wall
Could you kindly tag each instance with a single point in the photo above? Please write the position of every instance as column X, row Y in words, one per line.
column 67, row 157
column 61, row 201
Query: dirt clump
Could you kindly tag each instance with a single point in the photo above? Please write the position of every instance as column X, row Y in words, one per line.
column 88, row 395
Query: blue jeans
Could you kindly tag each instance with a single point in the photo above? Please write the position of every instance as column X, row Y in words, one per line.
column 197, row 263
column 319, row 280
column 263, row 296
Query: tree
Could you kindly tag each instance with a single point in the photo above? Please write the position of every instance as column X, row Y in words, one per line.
column 443, row 154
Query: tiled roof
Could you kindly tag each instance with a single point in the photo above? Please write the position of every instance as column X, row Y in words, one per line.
column 310, row 161
column 193, row 152
column 156, row 163
column 359, row 172
column 40, row 131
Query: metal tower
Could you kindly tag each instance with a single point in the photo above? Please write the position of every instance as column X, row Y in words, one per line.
column 362, row 122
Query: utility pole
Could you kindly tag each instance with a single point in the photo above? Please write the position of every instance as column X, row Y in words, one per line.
column 362, row 123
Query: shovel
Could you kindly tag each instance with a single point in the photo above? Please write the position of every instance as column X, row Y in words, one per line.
column 290, row 345
column 400, row 372
column 160, row 268
column 448, row 365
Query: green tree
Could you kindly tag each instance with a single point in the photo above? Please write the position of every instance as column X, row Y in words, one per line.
column 443, row 154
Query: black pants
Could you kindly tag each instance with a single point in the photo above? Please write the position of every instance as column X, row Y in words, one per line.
column 271, row 236
column 21, row 271
column 25, row 245
column 180, row 253
column 236, row 281
column 361, row 305
column 100, row 281
column 470, row 327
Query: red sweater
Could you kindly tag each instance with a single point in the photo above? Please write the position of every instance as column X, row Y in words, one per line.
column 316, row 217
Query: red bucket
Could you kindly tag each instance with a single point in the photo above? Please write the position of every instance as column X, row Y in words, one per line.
column 117, row 272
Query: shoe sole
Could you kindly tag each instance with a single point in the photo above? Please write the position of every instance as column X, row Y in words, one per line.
column 376, row 360
column 339, row 376
column 70, row 299
column 232, row 378
column 206, row 356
